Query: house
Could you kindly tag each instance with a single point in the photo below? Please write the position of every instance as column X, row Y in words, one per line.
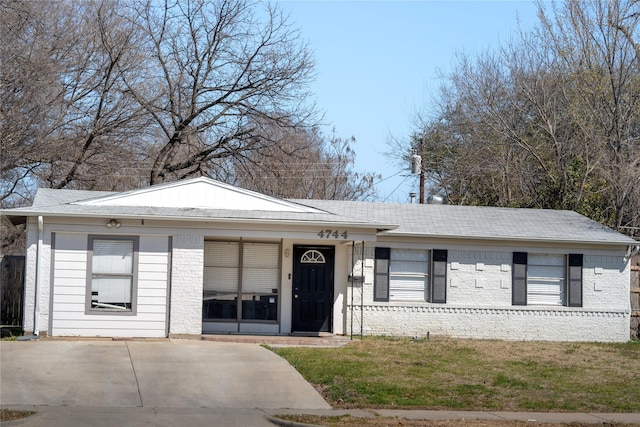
column 199, row 256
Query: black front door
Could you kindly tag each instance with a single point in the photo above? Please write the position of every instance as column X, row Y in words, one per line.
column 312, row 288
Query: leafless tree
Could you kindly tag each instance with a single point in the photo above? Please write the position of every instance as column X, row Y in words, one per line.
column 549, row 121
column 215, row 70
column 303, row 165
column 67, row 118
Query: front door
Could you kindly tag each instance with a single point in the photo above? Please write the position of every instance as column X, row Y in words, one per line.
column 312, row 288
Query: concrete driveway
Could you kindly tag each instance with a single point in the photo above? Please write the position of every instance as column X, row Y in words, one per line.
column 153, row 374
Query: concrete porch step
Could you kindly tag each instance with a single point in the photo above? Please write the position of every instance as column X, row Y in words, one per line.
column 298, row 340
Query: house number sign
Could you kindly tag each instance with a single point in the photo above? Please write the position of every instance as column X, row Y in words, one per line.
column 333, row 234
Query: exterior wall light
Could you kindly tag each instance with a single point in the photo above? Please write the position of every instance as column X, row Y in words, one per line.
column 113, row 223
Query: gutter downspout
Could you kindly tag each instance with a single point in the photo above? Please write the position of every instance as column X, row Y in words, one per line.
column 36, row 309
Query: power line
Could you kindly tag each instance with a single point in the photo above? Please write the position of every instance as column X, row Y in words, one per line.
column 394, row 190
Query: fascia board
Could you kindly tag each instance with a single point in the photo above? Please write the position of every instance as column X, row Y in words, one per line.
column 626, row 242
column 359, row 225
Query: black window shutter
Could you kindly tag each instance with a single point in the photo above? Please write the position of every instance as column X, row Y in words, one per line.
column 381, row 276
column 439, row 276
column 574, row 283
column 519, row 279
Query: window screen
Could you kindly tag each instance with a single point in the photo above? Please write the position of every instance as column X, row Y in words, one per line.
column 408, row 275
column 221, row 276
column 112, row 273
column 519, row 280
column 241, row 281
column 439, row 280
column 574, row 287
column 545, row 279
column 381, row 276
column 260, row 280
column 261, row 269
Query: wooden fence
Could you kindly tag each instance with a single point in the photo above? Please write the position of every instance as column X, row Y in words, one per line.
column 635, row 297
column 11, row 290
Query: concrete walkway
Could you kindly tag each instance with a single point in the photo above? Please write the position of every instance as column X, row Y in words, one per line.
column 186, row 383
column 163, row 373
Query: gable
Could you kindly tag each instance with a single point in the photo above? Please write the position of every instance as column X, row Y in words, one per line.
column 198, row 193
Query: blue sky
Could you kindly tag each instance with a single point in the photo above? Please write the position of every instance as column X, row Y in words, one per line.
column 377, row 65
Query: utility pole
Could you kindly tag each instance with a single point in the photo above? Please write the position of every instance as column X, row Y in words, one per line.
column 417, row 160
column 421, row 171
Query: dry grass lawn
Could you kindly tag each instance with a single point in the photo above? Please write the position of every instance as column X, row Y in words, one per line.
column 474, row 375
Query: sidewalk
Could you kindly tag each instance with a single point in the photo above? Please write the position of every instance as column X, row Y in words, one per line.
column 77, row 416
column 539, row 417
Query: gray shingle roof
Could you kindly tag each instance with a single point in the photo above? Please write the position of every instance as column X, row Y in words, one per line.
column 450, row 221
column 61, row 203
column 394, row 219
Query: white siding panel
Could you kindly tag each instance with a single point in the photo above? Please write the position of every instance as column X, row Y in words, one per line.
column 65, row 255
column 153, row 279
column 68, row 307
column 69, row 290
column 72, row 299
column 68, row 282
column 70, row 286
column 145, row 293
column 159, row 270
column 68, row 318
column 71, row 264
column 154, row 308
column 151, row 258
column 70, row 274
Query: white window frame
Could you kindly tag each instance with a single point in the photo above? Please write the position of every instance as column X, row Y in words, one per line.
column 133, row 275
column 244, row 270
column 571, row 285
column 409, row 275
column 433, row 275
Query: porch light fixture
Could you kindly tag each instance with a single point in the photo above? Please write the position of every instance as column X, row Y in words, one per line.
column 113, row 223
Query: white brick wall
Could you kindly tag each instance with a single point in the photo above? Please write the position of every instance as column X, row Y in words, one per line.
column 30, row 275
column 479, row 303
column 186, row 285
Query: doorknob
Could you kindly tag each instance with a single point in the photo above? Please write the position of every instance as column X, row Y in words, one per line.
column 295, row 296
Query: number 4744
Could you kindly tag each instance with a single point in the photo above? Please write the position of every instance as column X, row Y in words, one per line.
column 333, row 234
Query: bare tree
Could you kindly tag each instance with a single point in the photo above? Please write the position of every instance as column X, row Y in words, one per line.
column 215, row 69
column 303, row 165
column 67, row 117
column 27, row 76
column 549, row 121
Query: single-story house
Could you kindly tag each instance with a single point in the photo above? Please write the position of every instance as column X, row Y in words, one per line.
column 199, row 256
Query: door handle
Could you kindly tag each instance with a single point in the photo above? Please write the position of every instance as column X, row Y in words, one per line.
column 295, row 296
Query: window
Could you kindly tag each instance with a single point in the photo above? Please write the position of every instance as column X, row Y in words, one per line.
column 547, row 279
column 260, row 280
column 381, row 274
column 312, row 256
column 241, row 281
column 112, row 274
column 404, row 275
column 221, row 276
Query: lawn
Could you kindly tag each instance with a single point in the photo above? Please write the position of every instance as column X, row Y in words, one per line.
column 457, row 374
